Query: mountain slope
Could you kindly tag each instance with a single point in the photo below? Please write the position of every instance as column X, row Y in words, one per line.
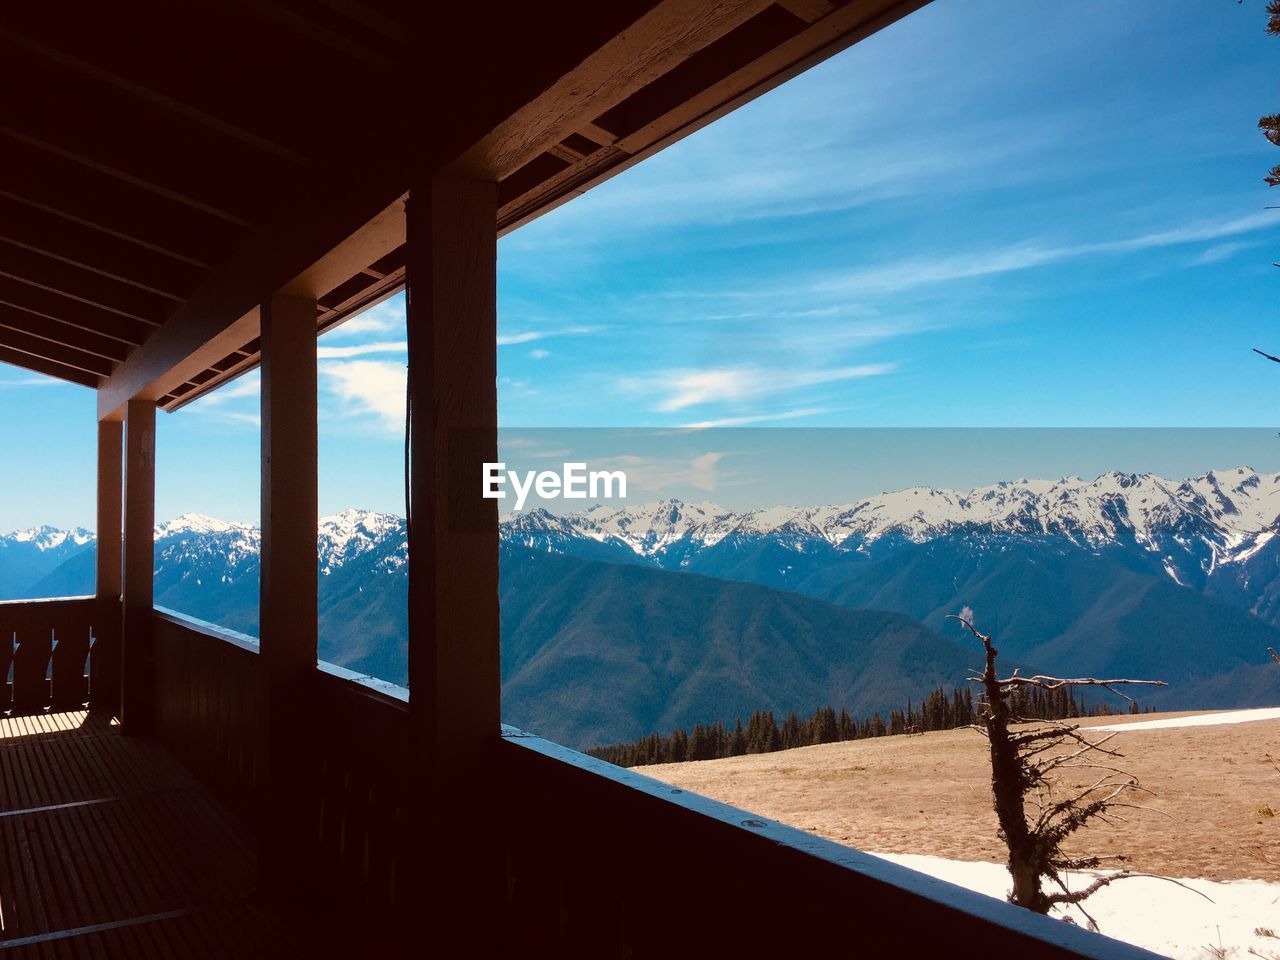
column 597, row 652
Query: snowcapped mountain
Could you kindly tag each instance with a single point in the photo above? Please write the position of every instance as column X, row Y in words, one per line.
column 1191, row 526
column 355, row 533
column 27, row 555
column 1124, row 575
column 50, row 538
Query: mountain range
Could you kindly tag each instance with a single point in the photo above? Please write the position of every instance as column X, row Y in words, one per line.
column 621, row 621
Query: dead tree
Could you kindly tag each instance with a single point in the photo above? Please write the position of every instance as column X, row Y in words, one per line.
column 1034, row 822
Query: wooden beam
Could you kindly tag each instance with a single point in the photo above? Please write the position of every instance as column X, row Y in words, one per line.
column 107, row 252
column 666, row 35
column 208, row 327
column 72, row 191
column 48, row 367
column 58, row 353
column 69, row 310
column 239, row 217
column 137, row 689
column 597, row 133
column 810, row 11
column 147, row 95
column 104, row 682
column 58, row 332
column 842, row 28
column 453, row 543
column 20, row 262
column 288, row 611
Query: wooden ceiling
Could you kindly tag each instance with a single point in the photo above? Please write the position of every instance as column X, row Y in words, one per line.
column 159, row 176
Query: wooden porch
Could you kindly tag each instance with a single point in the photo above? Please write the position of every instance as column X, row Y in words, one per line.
column 186, row 201
column 113, row 849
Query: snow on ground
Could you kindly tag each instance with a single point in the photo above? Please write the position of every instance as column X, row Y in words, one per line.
column 1147, row 911
column 1202, row 720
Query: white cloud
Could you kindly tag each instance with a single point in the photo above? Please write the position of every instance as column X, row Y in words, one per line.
column 539, row 354
column 689, row 388
column 253, row 419
column 30, row 382
column 893, row 276
column 757, row 418
column 250, row 385
column 1219, row 252
column 661, row 475
column 528, row 336
column 385, row 317
column 374, row 387
column 362, row 349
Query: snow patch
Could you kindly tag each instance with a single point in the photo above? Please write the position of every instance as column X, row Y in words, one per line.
column 1145, row 911
column 1202, row 720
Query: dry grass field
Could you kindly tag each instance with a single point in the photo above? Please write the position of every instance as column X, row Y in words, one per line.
column 1215, row 810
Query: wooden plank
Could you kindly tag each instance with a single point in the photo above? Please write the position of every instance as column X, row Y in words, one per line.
column 30, row 665
column 59, row 184
column 453, row 540
column 791, row 56
column 48, row 367
column 667, row 34
column 21, row 263
column 56, row 352
column 154, row 98
column 107, row 252
column 810, row 11
column 57, row 332
column 105, row 682
column 288, row 600
column 137, row 565
column 71, row 659
column 49, row 137
column 303, row 258
column 73, row 311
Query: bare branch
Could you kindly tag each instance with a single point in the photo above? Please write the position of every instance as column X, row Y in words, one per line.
column 1033, row 822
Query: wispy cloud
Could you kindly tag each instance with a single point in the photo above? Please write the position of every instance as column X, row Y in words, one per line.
column 26, row 382
column 385, row 317
column 362, row 349
column 756, row 418
column 539, row 354
column 253, row 419
column 1219, row 252
column 897, row 275
column 528, row 336
column 686, row 388
column 250, row 385
column 375, row 387
column 648, row 475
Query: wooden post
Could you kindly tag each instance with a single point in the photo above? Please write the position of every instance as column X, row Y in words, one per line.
column 288, row 589
column 137, row 689
column 104, row 682
column 453, row 548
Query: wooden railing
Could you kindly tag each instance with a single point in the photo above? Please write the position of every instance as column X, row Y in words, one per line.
column 603, row 861
column 208, row 705
column 599, row 861
column 350, row 797
column 46, row 654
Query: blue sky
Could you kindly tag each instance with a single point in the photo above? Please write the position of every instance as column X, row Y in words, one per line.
column 989, row 214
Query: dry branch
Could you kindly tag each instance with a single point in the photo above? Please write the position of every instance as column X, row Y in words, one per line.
column 1022, row 766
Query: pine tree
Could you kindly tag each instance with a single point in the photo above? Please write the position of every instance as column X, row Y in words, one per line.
column 1270, row 125
column 679, row 749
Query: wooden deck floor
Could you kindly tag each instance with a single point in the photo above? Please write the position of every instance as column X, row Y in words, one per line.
column 109, row 848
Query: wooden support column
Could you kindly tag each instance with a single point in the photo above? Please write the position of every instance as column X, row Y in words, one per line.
column 288, row 591
column 104, row 683
column 137, row 688
column 453, row 548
